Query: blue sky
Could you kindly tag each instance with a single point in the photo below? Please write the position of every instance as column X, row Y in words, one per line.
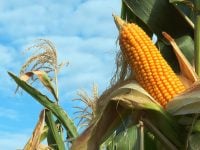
column 84, row 34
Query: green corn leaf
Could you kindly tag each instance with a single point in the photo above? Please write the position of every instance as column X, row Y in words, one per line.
column 54, row 138
column 196, row 127
column 44, row 79
column 149, row 141
column 186, row 45
column 156, row 16
column 127, row 14
column 159, row 16
column 57, row 110
column 127, row 140
column 194, row 143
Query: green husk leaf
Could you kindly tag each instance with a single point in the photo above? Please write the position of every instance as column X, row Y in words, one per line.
column 130, row 100
column 42, row 99
column 156, row 115
column 187, row 103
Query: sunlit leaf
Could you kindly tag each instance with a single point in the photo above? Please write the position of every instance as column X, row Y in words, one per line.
column 44, row 133
column 42, row 99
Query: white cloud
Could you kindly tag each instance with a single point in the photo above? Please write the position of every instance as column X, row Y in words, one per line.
column 90, row 61
column 83, row 32
column 58, row 18
column 95, row 22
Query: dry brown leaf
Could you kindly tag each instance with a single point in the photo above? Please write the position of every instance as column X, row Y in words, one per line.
column 25, row 77
column 44, row 147
column 81, row 143
column 43, row 77
column 92, row 137
column 187, row 71
column 34, row 142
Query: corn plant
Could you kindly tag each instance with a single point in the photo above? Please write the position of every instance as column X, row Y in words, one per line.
column 54, row 124
column 153, row 101
column 139, row 110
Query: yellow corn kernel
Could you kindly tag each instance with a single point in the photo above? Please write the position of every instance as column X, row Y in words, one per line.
column 150, row 68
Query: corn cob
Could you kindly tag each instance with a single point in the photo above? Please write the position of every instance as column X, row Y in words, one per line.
column 150, row 69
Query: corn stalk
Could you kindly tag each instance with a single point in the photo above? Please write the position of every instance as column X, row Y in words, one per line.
column 197, row 36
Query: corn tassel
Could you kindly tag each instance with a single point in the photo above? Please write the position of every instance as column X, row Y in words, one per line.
column 150, row 69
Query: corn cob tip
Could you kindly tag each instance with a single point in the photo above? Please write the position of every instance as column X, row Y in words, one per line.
column 118, row 21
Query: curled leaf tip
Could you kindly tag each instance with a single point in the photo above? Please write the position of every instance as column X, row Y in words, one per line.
column 167, row 36
column 187, row 70
column 118, row 21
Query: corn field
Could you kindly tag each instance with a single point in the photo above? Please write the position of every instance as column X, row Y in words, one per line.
column 153, row 101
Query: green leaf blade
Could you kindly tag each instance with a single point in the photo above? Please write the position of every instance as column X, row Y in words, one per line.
column 54, row 139
column 42, row 99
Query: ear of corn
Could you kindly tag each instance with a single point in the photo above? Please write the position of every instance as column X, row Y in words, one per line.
column 151, row 70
